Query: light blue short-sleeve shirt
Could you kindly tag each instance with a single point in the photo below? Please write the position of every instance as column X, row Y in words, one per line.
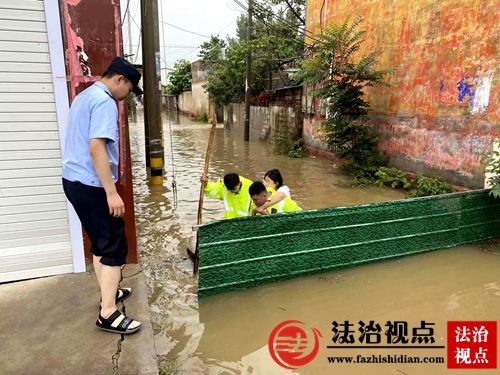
column 93, row 114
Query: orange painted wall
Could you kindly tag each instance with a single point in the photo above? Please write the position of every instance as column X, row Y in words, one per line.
column 443, row 110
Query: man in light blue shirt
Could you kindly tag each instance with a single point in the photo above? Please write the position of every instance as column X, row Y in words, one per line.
column 93, row 115
column 90, row 171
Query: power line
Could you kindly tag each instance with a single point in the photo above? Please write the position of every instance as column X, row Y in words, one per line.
column 187, row 31
column 136, row 24
column 125, row 14
column 228, row 4
column 163, row 36
column 226, row 27
column 278, row 20
column 281, row 20
column 137, row 9
column 138, row 45
column 188, row 53
column 166, row 64
column 181, row 47
column 174, row 184
column 271, row 26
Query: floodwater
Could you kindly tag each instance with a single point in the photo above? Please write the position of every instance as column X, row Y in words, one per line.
column 228, row 333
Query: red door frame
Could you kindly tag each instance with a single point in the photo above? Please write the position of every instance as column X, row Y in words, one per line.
column 92, row 38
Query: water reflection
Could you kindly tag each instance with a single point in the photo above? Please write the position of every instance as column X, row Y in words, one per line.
column 227, row 334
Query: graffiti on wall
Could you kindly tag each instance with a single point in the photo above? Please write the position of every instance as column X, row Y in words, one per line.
column 475, row 92
column 445, row 55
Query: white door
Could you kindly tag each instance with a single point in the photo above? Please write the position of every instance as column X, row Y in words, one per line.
column 34, row 225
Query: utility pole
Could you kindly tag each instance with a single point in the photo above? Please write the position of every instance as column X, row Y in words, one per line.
column 249, row 74
column 152, row 87
column 144, row 80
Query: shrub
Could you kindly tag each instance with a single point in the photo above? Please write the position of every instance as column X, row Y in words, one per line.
column 391, row 176
column 421, row 186
column 286, row 142
column 491, row 160
column 202, row 118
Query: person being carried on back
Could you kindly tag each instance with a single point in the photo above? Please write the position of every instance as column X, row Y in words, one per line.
column 233, row 190
column 274, row 180
column 261, row 195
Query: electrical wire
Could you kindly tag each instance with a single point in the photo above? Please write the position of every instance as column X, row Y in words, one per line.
column 163, row 35
column 136, row 24
column 137, row 9
column 138, row 45
column 281, row 20
column 187, row 54
column 224, row 28
column 229, row 3
column 174, row 183
column 187, row 31
column 272, row 27
column 277, row 19
column 197, row 47
column 125, row 14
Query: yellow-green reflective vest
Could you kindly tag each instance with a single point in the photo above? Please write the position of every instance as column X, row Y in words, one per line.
column 235, row 205
column 286, row 205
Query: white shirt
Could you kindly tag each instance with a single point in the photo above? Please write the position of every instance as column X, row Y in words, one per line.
column 284, row 189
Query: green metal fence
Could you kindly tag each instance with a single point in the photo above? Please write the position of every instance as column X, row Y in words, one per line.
column 247, row 252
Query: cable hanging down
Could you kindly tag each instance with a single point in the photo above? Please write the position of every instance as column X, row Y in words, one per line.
column 174, row 183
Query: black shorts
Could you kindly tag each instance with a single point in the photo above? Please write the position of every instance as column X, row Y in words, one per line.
column 106, row 232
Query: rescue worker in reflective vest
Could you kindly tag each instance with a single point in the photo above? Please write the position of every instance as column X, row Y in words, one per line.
column 260, row 195
column 233, row 190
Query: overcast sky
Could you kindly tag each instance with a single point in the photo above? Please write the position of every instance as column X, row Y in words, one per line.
column 205, row 17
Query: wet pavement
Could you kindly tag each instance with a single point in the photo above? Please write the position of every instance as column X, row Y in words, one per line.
column 228, row 333
column 47, row 327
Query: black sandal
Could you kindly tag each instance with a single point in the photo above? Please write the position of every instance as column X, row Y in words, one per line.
column 106, row 324
column 125, row 294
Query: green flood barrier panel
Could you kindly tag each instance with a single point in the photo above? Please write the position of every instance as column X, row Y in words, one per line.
column 246, row 252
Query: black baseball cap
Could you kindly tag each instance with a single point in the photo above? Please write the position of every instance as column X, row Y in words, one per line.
column 125, row 68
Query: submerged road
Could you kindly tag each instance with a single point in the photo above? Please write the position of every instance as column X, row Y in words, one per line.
column 228, row 333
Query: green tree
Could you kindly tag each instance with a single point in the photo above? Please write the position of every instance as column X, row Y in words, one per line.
column 276, row 36
column 339, row 79
column 213, row 50
column 226, row 75
column 296, row 9
column 178, row 79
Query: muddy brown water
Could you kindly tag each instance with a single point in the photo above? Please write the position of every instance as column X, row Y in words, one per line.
column 228, row 333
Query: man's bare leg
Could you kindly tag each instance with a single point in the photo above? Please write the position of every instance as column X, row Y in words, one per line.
column 97, row 268
column 110, row 277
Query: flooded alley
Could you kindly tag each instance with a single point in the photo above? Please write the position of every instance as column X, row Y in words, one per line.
column 228, row 333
